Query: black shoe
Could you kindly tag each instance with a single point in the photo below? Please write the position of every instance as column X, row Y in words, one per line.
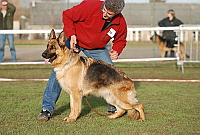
column 44, row 116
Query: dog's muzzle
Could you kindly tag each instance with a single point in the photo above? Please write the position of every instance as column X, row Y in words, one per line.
column 51, row 56
column 44, row 55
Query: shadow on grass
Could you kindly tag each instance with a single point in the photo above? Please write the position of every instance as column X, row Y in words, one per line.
column 95, row 102
column 60, row 110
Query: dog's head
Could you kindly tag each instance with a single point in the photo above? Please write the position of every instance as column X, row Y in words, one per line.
column 54, row 46
column 156, row 38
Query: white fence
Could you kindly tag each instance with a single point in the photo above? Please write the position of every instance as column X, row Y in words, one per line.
column 134, row 34
column 144, row 34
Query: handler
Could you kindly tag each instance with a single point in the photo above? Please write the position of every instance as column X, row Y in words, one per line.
column 89, row 26
column 170, row 35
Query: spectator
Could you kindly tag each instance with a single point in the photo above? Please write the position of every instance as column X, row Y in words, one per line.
column 170, row 35
column 89, row 26
column 6, row 23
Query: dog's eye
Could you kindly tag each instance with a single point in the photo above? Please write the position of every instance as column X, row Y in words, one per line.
column 53, row 48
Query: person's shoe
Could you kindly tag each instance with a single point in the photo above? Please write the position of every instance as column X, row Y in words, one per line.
column 44, row 116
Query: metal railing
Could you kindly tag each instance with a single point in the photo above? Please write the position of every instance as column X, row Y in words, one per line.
column 189, row 36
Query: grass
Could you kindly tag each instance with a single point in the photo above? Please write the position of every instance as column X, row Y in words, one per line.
column 179, row 103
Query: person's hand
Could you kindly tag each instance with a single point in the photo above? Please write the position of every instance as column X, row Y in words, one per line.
column 73, row 43
column 113, row 54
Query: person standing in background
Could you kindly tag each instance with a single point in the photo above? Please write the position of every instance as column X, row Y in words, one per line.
column 170, row 35
column 6, row 23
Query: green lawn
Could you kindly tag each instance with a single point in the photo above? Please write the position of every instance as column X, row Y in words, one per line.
column 172, row 107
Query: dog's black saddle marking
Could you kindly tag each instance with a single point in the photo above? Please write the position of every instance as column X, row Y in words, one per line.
column 100, row 75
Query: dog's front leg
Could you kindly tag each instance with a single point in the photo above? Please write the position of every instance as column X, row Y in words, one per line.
column 75, row 106
column 140, row 108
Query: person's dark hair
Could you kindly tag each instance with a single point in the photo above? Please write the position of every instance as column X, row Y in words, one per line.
column 114, row 5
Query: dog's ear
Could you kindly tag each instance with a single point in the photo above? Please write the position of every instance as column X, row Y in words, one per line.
column 155, row 33
column 52, row 35
column 61, row 39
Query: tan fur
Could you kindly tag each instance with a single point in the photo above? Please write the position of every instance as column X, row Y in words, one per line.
column 162, row 46
column 73, row 74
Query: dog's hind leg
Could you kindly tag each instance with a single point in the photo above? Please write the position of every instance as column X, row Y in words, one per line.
column 112, row 101
column 119, row 113
column 137, row 112
column 134, row 114
column 75, row 105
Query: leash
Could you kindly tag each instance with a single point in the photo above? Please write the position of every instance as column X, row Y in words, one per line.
column 94, row 109
column 155, row 113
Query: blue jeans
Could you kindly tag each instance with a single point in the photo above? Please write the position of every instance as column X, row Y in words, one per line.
column 53, row 89
column 10, row 39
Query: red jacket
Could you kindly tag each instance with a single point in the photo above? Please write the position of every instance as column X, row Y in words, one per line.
column 86, row 22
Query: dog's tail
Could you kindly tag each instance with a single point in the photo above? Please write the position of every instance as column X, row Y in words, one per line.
column 134, row 114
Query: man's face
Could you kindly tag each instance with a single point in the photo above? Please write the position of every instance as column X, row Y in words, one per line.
column 4, row 5
column 107, row 14
column 169, row 15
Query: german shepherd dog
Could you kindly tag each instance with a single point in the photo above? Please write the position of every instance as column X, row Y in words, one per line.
column 80, row 76
column 161, row 43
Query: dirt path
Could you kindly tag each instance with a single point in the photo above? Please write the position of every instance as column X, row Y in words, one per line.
column 32, row 53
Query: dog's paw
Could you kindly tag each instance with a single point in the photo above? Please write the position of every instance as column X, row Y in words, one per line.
column 142, row 120
column 68, row 119
column 112, row 116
